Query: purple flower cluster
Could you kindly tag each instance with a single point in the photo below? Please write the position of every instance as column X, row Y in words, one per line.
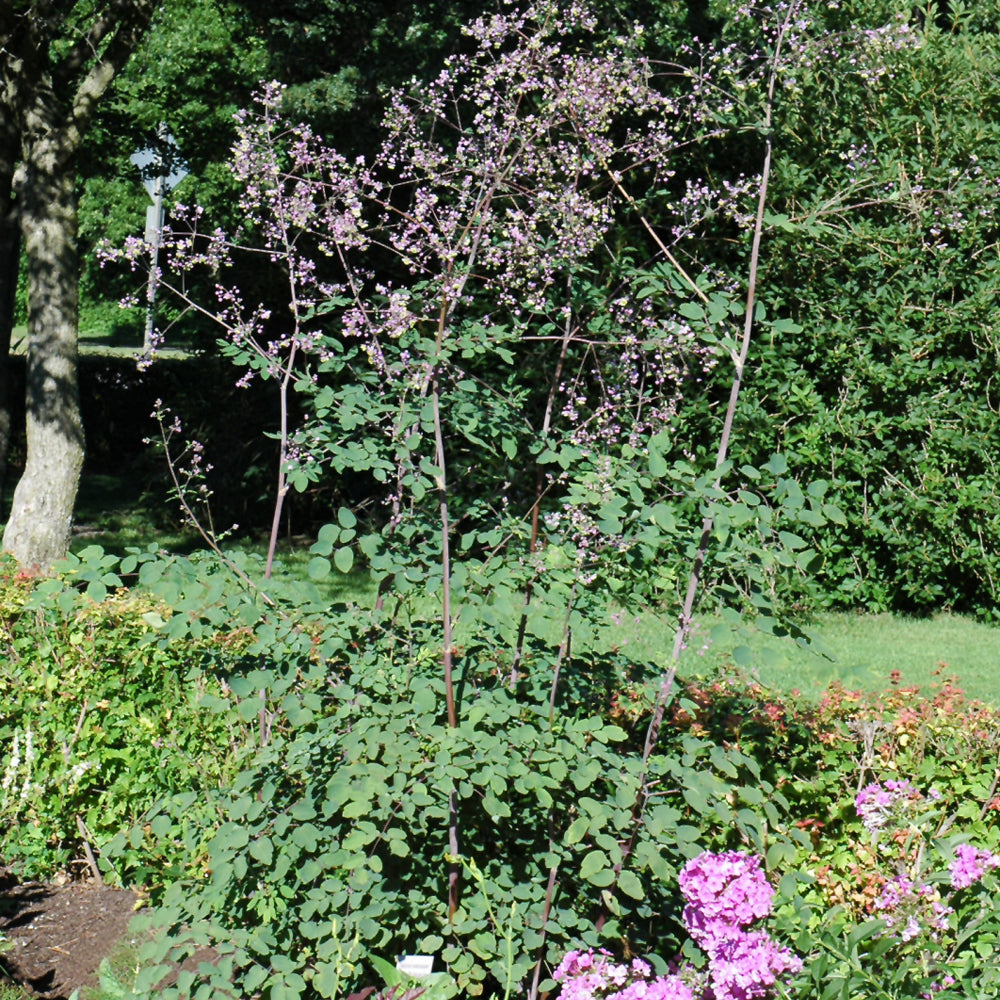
column 748, row 964
column 726, row 894
column 915, row 908
column 877, row 803
column 910, row 907
column 587, row 975
column 970, row 865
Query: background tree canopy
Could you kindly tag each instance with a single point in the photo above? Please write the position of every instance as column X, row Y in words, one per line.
column 881, row 250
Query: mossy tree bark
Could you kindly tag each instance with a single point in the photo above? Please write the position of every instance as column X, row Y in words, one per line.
column 10, row 253
column 38, row 530
column 56, row 63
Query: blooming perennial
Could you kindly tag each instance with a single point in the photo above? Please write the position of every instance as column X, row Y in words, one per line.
column 723, row 892
column 587, row 975
column 726, row 894
column 970, row 865
column 878, row 804
column 920, row 915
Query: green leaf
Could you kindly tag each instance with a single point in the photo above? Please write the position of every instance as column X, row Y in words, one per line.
column 864, row 931
column 593, row 862
column 833, row 513
column 602, row 878
column 631, row 885
column 262, row 849
column 319, row 568
column 577, row 830
column 743, row 656
column 779, row 221
column 696, row 799
column 327, row 980
column 657, row 464
column 343, row 559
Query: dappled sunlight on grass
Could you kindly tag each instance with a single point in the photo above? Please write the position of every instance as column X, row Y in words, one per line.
column 864, row 651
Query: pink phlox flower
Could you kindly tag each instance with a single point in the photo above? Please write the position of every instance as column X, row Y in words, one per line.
column 724, row 892
column 576, row 963
column 589, row 975
column 582, row 988
column 894, row 893
column 875, row 803
column 970, row 865
column 662, row 988
column 747, row 964
column 641, row 968
column 941, row 912
column 945, row 982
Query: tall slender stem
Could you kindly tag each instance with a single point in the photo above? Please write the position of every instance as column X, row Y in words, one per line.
column 694, row 582
column 568, row 330
column 282, row 491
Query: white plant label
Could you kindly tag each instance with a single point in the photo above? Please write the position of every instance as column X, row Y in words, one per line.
column 418, row 966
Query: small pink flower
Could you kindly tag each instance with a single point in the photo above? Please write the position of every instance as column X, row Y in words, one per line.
column 724, row 892
column 970, row 865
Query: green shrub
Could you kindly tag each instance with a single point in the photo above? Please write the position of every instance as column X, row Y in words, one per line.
column 338, row 830
column 98, row 721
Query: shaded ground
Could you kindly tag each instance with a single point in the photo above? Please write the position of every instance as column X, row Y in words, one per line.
column 58, row 935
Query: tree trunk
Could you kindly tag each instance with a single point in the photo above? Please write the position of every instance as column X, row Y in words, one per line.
column 38, row 530
column 10, row 254
column 54, row 70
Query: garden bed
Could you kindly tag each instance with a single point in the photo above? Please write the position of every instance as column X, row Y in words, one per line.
column 58, row 934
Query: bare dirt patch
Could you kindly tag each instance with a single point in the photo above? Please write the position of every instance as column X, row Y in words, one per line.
column 58, row 934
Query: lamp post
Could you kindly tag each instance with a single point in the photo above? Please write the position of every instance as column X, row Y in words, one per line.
column 162, row 170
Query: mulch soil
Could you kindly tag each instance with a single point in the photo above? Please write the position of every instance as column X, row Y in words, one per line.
column 57, row 935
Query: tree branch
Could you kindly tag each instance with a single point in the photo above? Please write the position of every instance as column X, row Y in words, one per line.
column 89, row 44
column 136, row 18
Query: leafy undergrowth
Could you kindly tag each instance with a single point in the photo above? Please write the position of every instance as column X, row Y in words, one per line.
column 99, row 723
column 283, row 792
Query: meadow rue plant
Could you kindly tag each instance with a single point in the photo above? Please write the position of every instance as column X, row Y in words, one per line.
column 726, row 895
column 493, row 194
column 474, row 342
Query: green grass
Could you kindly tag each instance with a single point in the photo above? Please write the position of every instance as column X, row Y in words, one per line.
column 859, row 650
column 118, row 512
column 862, row 651
column 98, row 342
column 117, row 973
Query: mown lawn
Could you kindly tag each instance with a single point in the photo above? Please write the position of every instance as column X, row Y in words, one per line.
column 857, row 649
